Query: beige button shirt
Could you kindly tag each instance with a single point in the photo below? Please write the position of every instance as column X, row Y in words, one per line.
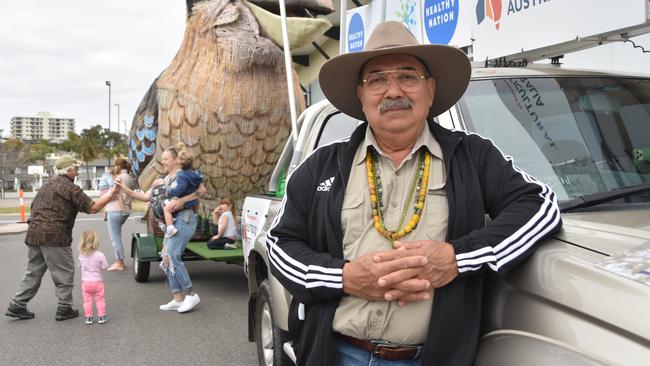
column 386, row 320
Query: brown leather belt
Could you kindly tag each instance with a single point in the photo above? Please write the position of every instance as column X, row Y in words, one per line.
column 386, row 352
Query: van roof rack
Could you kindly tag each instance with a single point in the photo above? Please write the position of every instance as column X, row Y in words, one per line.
column 503, row 62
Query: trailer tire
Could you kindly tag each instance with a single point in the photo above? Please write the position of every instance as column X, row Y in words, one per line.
column 140, row 268
column 269, row 338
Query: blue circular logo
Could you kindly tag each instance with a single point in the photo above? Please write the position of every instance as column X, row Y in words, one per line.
column 355, row 34
column 440, row 19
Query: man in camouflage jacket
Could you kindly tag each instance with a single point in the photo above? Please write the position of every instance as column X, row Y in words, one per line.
column 49, row 238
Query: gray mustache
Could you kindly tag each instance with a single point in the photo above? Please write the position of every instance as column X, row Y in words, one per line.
column 393, row 104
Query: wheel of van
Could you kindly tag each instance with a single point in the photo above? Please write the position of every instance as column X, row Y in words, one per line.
column 140, row 269
column 269, row 338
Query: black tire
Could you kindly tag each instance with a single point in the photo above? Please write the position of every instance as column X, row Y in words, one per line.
column 269, row 338
column 140, row 269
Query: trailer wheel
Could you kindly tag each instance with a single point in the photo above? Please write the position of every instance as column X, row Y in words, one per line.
column 140, row 269
column 268, row 336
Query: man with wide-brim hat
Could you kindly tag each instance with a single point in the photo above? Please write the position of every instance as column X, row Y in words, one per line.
column 382, row 239
column 65, row 162
column 49, row 238
column 447, row 66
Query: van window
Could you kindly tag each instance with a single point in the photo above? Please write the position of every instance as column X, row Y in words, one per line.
column 337, row 126
column 579, row 135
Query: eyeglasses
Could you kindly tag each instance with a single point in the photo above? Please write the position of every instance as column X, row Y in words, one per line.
column 407, row 80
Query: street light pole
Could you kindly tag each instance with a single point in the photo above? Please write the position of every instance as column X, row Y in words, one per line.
column 118, row 117
column 108, row 83
column 109, row 105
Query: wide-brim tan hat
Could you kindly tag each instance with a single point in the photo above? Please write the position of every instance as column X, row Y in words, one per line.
column 66, row 162
column 448, row 66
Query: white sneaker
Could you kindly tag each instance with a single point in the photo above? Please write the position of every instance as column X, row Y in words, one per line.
column 172, row 305
column 189, row 303
column 171, row 231
column 229, row 246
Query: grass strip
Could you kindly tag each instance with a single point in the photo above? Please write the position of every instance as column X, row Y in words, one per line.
column 137, row 206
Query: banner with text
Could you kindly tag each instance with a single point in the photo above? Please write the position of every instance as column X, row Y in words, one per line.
column 497, row 28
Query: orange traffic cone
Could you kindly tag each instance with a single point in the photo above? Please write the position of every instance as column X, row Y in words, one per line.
column 21, row 194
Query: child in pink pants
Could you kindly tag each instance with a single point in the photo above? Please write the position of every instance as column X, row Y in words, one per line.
column 92, row 263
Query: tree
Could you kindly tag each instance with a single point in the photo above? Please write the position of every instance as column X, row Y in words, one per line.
column 72, row 143
column 14, row 152
column 106, row 144
column 39, row 152
column 117, row 143
column 95, row 133
column 88, row 149
column 13, row 155
column 90, row 145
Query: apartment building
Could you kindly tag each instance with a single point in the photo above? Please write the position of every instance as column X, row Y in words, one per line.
column 41, row 126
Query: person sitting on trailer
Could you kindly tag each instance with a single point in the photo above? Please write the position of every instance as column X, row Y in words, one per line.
column 226, row 235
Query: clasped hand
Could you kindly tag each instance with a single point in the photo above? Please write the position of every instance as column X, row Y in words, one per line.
column 405, row 274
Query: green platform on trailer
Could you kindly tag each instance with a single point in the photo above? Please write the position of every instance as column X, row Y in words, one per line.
column 145, row 249
column 226, row 255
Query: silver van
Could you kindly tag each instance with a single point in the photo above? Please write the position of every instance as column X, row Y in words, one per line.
column 583, row 298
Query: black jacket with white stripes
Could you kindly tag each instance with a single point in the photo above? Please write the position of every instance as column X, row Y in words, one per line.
column 306, row 255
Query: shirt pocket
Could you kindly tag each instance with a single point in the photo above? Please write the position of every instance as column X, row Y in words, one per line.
column 436, row 212
column 353, row 217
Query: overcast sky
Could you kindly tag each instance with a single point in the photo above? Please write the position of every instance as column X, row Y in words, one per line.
column 55, row 56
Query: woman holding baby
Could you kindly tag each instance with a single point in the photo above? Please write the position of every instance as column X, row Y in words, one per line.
column 184, row 298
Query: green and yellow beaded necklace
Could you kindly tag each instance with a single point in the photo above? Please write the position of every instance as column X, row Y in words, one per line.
column 419, row 183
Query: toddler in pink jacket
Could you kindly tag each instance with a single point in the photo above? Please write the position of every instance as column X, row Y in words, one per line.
column 92, row 263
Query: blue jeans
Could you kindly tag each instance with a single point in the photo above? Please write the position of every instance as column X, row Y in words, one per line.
column 115, row 221
column 350, row 355
column 177, row 276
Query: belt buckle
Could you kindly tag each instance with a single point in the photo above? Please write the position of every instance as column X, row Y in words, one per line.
column 380, row 344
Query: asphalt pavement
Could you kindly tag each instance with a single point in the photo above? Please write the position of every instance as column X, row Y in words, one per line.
column 137, row 333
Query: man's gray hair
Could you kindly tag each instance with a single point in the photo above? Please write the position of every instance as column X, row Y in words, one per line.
column 63, row 171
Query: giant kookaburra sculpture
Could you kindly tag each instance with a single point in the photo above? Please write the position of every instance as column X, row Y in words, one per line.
column 225, row 96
